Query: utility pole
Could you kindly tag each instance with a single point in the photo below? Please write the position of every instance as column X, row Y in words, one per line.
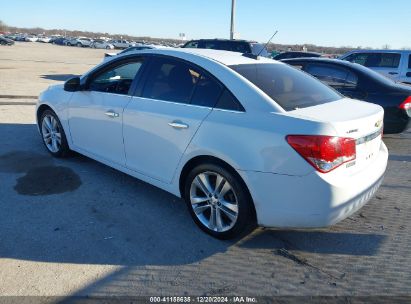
column 232, row 31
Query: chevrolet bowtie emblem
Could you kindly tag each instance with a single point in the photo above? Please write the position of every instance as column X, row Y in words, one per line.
column 378, row 124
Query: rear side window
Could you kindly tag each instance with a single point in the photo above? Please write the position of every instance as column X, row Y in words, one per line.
column 289, row 87
column 376, row 60
column 206, row 93
column 170, row 80
column 233, row 46
column 227, row 101
column 332, row 75
column 192, row 44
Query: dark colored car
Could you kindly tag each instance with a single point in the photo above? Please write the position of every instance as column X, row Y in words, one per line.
column 356, row 81
column 289, row 55
column 59, row 41
column 239, row 46
column 6, row 41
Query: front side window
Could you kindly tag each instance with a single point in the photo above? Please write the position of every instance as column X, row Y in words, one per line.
column 289, row 87
column 170, row 80
column 359, row 58
column 332, row 75
column 116, row 80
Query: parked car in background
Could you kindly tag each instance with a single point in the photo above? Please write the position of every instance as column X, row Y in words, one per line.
column 6, row 41
column 356, row 81
column 43, row 39
column 120, row 43
column 59, row 41
column 395, row 64
column 80, row 42
column 31, row 38
column 292, row 54
column 240, row 46
column 101, row 44
column 108, row 56
column 23, row 38
column 241, row 140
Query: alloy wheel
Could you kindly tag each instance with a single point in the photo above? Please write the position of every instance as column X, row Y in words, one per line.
column 214, row 201
column 51, row 133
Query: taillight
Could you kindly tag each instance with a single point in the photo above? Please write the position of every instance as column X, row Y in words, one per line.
column 324, row 153
column 406, row 105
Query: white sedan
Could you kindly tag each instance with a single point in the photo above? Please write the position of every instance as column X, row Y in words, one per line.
column 101, row 44
column 243, row 140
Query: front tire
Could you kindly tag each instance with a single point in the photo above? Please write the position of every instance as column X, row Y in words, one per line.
column 218, row 201
column 53, row 135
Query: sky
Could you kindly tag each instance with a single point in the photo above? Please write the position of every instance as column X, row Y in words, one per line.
column 365, row 23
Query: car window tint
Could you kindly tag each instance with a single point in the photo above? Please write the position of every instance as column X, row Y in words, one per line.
column 376, row 60
column 210, row 44
column 227, row 101
column 359, row 58
column 287, row 86
column 170, row 80
column 234, row 46
column 206, row 92
column 409, row 62
column 351, row 81
column 390, row 60
column 192, row 44
column 116, row 80
column 331, row 75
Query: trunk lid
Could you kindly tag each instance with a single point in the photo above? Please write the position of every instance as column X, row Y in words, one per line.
column 360, row 120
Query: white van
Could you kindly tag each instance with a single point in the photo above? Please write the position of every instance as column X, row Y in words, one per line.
column 395, row 64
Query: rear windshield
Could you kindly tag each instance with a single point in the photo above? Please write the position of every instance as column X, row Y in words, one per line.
column 289, row 87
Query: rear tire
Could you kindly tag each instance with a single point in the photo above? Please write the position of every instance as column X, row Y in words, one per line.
column 218, row 201
column 52, row 133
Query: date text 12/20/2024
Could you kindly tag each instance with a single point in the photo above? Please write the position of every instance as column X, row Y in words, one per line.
column 186, row 299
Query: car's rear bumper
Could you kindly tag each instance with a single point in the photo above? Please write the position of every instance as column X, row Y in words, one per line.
column 313, row 200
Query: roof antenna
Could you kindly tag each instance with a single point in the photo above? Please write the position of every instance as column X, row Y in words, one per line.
column 265, row 46
column 256, row 57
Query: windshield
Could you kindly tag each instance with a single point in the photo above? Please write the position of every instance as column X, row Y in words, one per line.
column 289, row 87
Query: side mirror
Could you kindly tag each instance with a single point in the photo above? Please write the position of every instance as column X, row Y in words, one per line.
column 72, row 85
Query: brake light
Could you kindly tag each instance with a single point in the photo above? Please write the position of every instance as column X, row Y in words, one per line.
column 324, row 153
column 406, row 105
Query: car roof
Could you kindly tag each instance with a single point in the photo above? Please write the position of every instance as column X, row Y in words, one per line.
column 298, row 52
column 321, row 59
column 223, row 57
column 377, row 51
column 222, row 39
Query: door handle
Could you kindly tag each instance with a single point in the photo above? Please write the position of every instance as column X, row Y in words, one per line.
column 393, row 73
column 178, row 125
column 112, row 114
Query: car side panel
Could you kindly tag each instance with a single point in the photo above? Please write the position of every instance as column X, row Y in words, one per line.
column 253, row 142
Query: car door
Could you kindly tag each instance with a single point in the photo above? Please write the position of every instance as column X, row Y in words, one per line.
column 163, row 117
column 96, row 113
